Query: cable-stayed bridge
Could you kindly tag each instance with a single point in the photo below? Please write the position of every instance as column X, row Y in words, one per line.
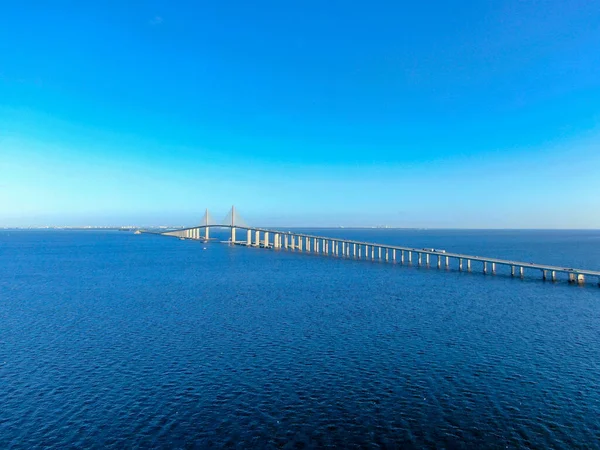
column 269, row 238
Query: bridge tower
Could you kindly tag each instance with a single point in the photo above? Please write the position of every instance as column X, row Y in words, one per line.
column 232, row 224
column 205, row 222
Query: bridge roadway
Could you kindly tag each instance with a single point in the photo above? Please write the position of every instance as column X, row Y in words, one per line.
column 385, row 252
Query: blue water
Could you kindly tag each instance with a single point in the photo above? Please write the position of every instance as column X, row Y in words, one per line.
column 115, row 340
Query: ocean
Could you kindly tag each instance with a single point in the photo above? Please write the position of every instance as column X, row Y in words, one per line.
column 115, row 340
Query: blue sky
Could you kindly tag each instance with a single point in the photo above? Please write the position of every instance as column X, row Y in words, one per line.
column 427, row 114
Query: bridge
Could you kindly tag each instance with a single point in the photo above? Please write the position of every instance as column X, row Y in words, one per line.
column 268, row 238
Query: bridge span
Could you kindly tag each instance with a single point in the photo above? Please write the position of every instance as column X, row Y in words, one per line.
column 340, row 247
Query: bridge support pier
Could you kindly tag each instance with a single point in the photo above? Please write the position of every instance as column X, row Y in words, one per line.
column 401, row 256
column 553, row 275
column 233, row 235
column 512, row 271
column 521, row 271
column 460, row 264
column 420, row 258
column 380, row 254
column 544, row 275
column 373, row 253
column 484, row 267
column 206, row 233
column 493, row 268
column 266, row 243
column 248, row 238
column 439, row 261
column 354, row 250
column 427, row 259
column 394, row 255
column 409, row 257
column 468, row 265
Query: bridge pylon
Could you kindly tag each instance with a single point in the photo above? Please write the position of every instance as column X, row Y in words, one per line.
column 206, row 221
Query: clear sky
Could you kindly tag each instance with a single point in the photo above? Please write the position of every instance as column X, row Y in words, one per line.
column 429, row 114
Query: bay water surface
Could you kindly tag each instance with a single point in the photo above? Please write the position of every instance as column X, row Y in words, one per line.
column 115, row 340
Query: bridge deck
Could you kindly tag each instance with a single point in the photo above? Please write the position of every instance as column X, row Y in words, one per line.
column 482, row 259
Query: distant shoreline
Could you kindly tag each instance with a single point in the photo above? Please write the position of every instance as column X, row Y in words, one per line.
column 162, row 227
